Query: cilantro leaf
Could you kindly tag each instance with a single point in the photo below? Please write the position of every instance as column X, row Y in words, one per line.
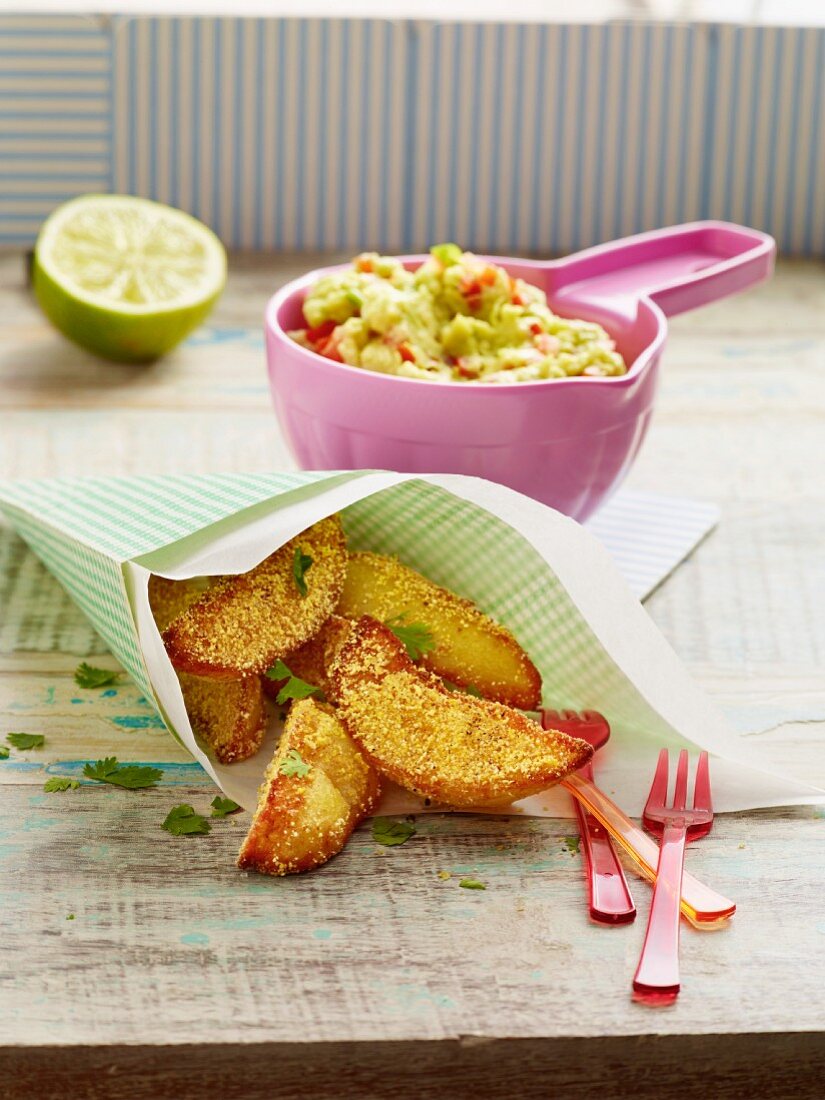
column 301, row 562
column 294, row 764
column 131, row 776
column 25, row 741
column 416, row 637
column 472, row 884
column 4, row 752
column 85, row 676
column 101, row 769
column 572, row 844
column 183, row 821
column 223, row 806
column 390, row 833
column 294, row 688
column 60, row 783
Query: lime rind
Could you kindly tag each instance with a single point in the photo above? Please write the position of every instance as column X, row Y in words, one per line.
column 125, row 277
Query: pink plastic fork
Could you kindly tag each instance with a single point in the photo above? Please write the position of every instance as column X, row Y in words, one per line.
column 657, row 974
column 608, row 893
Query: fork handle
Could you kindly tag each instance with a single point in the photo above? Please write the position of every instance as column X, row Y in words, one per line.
column 609, row 895
column 658, row 969
column 702, row 906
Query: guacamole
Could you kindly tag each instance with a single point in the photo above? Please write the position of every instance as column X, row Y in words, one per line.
column 456, row 318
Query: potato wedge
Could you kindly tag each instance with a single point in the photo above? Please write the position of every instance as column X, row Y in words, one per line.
column 243, row 624
column 313, row 660
column 228, row 714
column 168, row 598
column 445, row 745
column 470, row 648
column 302, row 821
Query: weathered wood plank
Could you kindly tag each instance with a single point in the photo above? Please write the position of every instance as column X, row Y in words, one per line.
column 169, row 943
column 772, row 1067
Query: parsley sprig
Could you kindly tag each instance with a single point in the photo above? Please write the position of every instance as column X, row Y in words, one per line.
column 131, row 776
column 86, row 676
column 294, row 688
column 182, row 820
column 223, row 806
column 301, row 562
column 26, row 741
column 416, row 638
column 60, row 783
column 390, row 833
column 294, row 764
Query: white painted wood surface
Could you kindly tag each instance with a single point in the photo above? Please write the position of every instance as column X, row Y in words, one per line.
column 267, row 984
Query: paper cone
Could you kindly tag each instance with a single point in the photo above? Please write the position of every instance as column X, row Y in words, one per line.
column 536, row 571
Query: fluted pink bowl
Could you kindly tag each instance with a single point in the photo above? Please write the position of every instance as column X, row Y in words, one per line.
column 567, row 442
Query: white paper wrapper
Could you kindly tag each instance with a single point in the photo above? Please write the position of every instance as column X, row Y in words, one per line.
column 538, row 572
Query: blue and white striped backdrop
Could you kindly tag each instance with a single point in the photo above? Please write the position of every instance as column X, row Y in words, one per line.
column 346, row 133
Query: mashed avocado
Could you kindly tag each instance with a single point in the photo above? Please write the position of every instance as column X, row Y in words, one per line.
column 455, row 319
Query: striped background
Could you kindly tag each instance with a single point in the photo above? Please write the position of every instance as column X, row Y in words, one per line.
column 343, row 134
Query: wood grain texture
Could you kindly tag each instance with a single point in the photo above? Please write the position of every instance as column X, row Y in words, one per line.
column 373, row 976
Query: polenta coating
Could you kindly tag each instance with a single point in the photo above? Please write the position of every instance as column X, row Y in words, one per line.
column 470, row 648
column 302, row 820
column 243, row 624
column 448, row 746
column 312, row 661
column 228, row 714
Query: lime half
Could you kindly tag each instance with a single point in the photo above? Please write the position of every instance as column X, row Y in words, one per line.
column 125, row 277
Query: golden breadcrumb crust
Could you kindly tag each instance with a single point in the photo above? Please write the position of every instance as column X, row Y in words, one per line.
column 448, row 746
column 243, row 624
column 168, row 598
column 470, row 648
column 312, row 661
column 302, row 821
column 228, row 714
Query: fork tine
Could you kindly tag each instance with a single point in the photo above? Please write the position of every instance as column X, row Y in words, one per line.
column 594, row 716
column 570, row 715
column 701, row 788
column 658, row 788
column 551, row 715
column 680, row 791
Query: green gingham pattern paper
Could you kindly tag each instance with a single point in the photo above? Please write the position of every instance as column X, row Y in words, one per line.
column 537, row 572
column 95, row 583
column 126, row 517
column 471, row 551
column 83, row 529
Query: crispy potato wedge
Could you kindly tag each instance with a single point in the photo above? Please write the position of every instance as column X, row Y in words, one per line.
column 242, row 624
column 313, row 660
column 168, row 598
column 228, row 714
column 470, row 648
column 302, row 821
column 448, row 746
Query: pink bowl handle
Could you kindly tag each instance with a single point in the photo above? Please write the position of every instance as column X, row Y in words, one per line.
column 679, row 268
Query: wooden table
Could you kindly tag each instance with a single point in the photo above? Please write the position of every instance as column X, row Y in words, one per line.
column 136, row 964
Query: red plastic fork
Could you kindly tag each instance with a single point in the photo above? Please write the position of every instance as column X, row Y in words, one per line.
column 657, row 974
column 608, row 893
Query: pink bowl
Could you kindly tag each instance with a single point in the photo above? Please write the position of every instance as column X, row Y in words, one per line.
column 568, row 442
